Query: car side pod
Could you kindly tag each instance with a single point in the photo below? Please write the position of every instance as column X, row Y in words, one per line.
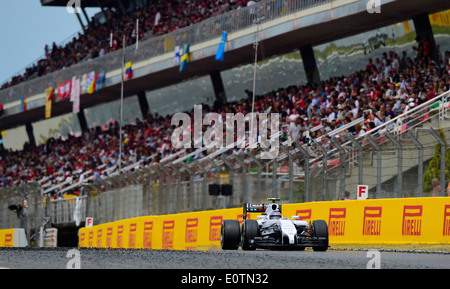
column 230, row 235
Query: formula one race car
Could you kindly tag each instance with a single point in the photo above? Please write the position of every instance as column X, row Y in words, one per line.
column 272, row 231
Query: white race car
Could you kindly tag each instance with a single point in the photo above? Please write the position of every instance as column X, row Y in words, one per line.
column 272, row 231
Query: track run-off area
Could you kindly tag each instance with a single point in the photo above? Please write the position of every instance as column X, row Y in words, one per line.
column 100, row 258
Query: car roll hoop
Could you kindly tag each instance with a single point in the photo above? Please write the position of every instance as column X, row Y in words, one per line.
column 261, row 207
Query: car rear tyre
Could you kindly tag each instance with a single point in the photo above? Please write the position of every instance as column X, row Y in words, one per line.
column 249, row 232
column 320, row 230
column 230, row 235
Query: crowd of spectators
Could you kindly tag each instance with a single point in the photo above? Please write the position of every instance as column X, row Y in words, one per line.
column 155, row 18
column 386, row 87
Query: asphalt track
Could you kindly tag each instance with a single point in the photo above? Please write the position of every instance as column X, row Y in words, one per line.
column 92, row 258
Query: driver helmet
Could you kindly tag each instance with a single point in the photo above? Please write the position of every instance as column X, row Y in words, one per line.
column 275, row 216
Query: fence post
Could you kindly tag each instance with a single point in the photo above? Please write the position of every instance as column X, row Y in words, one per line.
column 168, row 189
column 159, row 195
column 324, row 169
column 443, row 150
column 419, row 164
column 291, row 173
column 377, row 147
column 342, row 166
column 306, row 168
column 245, row 181
column 179, row 190
column 258, row 164
column 360, row 156
column 396, row 143
column 191, row 173
column 204, row 193
column 231, row 177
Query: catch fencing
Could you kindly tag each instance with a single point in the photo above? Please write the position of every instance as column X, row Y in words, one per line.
column 390, row 159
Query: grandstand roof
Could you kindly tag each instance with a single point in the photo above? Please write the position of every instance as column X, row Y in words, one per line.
column 84, row 3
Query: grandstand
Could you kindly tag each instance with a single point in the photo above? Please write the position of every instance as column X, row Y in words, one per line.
column 396, row 93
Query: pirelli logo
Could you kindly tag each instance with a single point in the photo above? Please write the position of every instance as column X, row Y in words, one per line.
column 304, row 215
column 91, row 239
column 191, row 230
column 168, row 234
column 148, row 228
column 372, row 221
column 132, row 236
column 109, row 233
column 336, row 222
column 99, row 238
column 446, row 221
column 120, row 236
column 412, row 220
column 82, row 238
column 215, row 224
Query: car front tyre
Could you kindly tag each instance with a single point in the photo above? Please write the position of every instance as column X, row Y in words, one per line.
column 230, row 235
column 320, row 230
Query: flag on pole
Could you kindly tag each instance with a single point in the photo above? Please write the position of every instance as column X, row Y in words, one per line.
column 88, row 82
column 128, row 70
column 64, row 90
column 75, row 95
column 23, row 103
column 221, row 50
column 49, row 102
column 101, row 79
column 177, row 54
column 92, row 85
column 185, row 58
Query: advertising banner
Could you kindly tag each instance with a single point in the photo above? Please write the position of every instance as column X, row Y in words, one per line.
column 380, row 221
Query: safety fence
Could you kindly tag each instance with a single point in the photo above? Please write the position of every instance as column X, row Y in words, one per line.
column 390, row 159
column 386, row 221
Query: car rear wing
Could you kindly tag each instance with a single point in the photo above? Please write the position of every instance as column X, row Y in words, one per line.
column 261, row 207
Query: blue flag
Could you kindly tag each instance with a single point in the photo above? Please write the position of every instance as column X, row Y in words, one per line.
column 221, row 50
column 184, row 58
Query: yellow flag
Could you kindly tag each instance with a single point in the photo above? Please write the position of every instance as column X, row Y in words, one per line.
column 407, row 28
column 48, row 102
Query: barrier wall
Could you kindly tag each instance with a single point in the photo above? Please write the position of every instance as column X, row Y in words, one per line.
column 13, row 238
column 388, row 221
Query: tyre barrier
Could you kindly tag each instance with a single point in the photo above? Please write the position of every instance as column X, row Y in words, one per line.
column 13, row 238
column 380, row 221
